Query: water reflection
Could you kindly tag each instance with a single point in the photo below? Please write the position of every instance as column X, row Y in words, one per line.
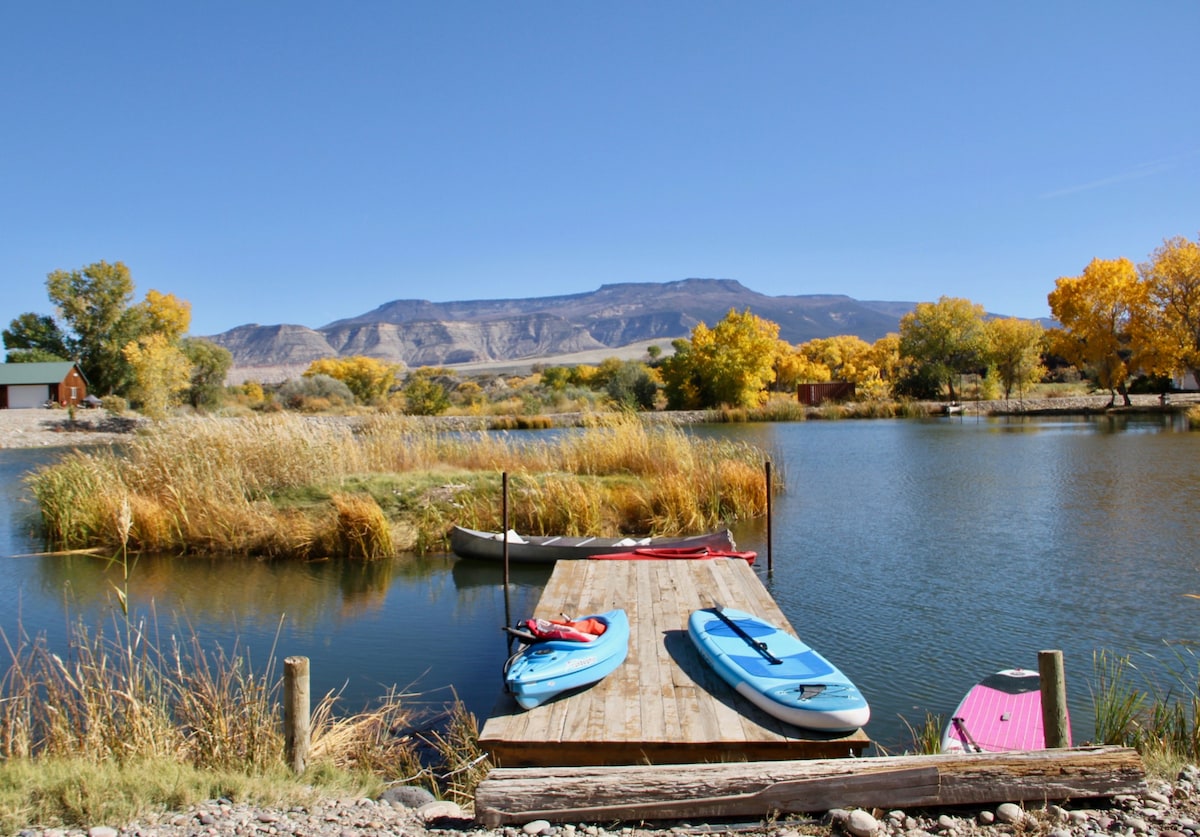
column 917, row 555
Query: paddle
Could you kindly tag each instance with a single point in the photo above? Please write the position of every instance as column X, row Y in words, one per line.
column 760, row 647
column 965, row 734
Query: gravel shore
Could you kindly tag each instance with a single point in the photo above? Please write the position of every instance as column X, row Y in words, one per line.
column 1164, row 809
column 56, row 428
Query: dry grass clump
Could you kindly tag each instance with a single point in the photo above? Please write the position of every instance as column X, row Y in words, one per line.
column 286, row 486
column 360, row 529
column 117, row 726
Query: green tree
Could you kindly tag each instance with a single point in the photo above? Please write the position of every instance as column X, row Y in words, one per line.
column 944, row 339
column 556, row 378
column 1014, row 350
column 210, row 363
column 94, row 302
column 632, row 387
column 33, row 338
column 424, row 396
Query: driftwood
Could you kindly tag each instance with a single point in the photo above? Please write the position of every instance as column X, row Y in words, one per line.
column 681, row 791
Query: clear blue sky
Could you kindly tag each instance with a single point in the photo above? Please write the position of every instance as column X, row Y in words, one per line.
column 285, row 161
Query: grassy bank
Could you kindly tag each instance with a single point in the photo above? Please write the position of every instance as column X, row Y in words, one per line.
column 119, row 725
column 284, row 486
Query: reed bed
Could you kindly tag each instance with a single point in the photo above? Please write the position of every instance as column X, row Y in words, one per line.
column 1159, row 718
column 91, row 734
column 287, row 486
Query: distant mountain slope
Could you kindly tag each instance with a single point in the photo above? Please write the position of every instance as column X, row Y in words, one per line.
column 422, row 333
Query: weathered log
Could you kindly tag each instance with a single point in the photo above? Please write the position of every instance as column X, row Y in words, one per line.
column 650, row 792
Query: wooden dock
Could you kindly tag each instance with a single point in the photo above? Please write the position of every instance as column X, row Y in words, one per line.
column 664, row 705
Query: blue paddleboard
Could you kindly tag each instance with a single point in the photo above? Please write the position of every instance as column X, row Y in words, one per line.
column 777, row 672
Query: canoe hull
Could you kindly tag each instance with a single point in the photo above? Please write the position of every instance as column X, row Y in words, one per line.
column 803, row 689
column 546, row 549
column 542, row 670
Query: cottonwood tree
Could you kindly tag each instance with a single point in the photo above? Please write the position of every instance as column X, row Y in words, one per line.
column 730, row 364
column 424, row 396
column 210, row 363
column 943, row 339
column 32, row 338
column 847, row 358
column 1097, row 310
column 160, row 373
column 1014, row 352
column 95, row 321
column 368, row 378
column 1169, row 324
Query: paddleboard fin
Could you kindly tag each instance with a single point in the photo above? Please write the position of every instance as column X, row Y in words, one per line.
column 808, row 692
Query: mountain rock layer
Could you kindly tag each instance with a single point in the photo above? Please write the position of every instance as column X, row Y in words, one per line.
column 421, row 333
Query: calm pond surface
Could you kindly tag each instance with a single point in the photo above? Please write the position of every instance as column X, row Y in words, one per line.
column 918, row 555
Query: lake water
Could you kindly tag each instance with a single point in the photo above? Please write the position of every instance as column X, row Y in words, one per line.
column 918, row 555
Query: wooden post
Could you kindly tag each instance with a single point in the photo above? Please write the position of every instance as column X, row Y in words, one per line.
column 296, row 715
column 770, row 552
column 1054, row 699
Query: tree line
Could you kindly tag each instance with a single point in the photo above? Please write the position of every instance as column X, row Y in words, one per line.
column 1117, row 322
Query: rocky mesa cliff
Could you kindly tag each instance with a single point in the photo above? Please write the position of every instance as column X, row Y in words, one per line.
column 473, row 332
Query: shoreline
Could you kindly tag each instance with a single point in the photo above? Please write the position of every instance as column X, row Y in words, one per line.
column 37, row 428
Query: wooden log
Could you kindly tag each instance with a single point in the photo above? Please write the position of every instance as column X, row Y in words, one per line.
column 649, row 792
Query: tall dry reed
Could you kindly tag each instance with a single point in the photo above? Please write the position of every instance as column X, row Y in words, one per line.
column 284, row 485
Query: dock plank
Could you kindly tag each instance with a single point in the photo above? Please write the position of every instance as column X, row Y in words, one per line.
column 664, row 704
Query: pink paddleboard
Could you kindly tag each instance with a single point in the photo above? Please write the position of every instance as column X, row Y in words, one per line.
column 1001, row 712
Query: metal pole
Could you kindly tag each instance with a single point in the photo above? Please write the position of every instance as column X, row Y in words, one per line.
column 504, row 541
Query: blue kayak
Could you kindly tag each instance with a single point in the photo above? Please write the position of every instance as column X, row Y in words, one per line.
column 777, row 672
column 547, row 667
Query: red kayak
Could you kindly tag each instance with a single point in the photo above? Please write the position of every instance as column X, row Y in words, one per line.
column 664, row 553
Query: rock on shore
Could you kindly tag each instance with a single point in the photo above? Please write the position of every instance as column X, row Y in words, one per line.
column 1165, row 810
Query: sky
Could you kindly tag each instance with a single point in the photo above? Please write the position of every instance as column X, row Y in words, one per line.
column 289, row 161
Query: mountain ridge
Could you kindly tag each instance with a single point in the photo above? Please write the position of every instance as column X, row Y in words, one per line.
column 417, row 332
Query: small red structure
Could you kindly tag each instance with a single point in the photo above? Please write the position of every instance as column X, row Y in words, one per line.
column 814, row 395
column 24, row 385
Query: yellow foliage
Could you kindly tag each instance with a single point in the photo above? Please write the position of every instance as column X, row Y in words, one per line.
column 1015, row 352
column 167, row 314
column 368, row 378
column 1097, row 310
column 1170, row 325
column 160, row 370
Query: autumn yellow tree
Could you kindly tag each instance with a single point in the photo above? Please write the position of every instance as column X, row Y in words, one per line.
column 1014, row 352
column 730, row 364
column 885, row 356
column 367, row 378
column 1168, row 327
column 794, row 367
column 161, row 372
column 1098, row 310
column 846, row 357
column 165, row 314
column 943, row 339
